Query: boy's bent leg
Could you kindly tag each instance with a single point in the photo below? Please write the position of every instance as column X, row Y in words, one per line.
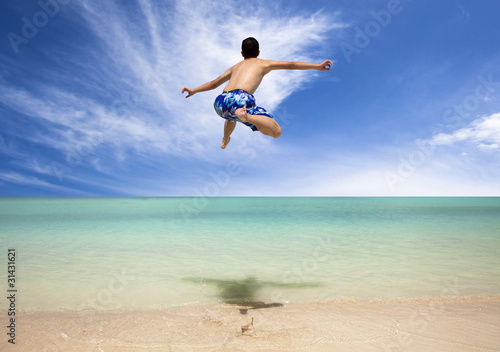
column 266, row 125
column 228, row 129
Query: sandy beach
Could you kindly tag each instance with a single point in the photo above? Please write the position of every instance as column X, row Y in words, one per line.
column 459, row 324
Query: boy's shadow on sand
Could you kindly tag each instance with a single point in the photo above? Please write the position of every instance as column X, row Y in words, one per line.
column 242, row 292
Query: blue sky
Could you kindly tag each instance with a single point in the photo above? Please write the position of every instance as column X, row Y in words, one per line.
column 91, row 103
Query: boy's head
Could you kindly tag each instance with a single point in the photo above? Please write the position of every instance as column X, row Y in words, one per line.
column 250, row 48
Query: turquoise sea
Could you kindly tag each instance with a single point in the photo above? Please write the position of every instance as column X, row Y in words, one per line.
column 121, row 253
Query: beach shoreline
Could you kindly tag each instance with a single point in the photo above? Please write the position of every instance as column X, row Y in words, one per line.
column 438, row 324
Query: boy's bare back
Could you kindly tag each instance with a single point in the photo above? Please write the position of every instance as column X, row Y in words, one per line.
column 247, row 75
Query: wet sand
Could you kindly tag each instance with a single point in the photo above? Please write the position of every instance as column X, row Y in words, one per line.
column 460, row 324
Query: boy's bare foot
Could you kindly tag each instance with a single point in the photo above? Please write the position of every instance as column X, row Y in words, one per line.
column 241, row 113
column 225, row 142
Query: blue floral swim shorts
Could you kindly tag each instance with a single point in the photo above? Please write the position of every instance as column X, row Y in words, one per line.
column 228, row 102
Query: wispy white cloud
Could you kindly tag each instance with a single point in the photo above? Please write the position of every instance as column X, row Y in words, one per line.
column 483, row 132
column 489, row 147
column 355, row 175
column 31, row 181
column 461, row 162
column 424, row 168
column 33, row 165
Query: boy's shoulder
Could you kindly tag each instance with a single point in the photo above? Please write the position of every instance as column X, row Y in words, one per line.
column 255, row 61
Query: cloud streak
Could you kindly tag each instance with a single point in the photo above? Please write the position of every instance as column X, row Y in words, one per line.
column 31, row 181
column 483, row 132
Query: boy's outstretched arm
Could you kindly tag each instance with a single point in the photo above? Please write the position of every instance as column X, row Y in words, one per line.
column 291, row 65
column 209, row 85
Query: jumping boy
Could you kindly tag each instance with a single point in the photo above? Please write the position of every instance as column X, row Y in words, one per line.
column 237, row 102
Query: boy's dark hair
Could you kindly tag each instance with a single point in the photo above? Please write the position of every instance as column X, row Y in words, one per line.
column 250, row 47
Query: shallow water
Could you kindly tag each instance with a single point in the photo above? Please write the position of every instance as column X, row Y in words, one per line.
column 115, row 253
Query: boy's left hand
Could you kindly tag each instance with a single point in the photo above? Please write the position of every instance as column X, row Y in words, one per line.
column 325, row 65
column 190, row 91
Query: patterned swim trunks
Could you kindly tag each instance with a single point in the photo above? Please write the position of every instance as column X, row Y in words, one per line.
column 228, row 102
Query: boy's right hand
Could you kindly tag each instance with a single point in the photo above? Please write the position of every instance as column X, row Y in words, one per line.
column 190, row 91
column 325, row 65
